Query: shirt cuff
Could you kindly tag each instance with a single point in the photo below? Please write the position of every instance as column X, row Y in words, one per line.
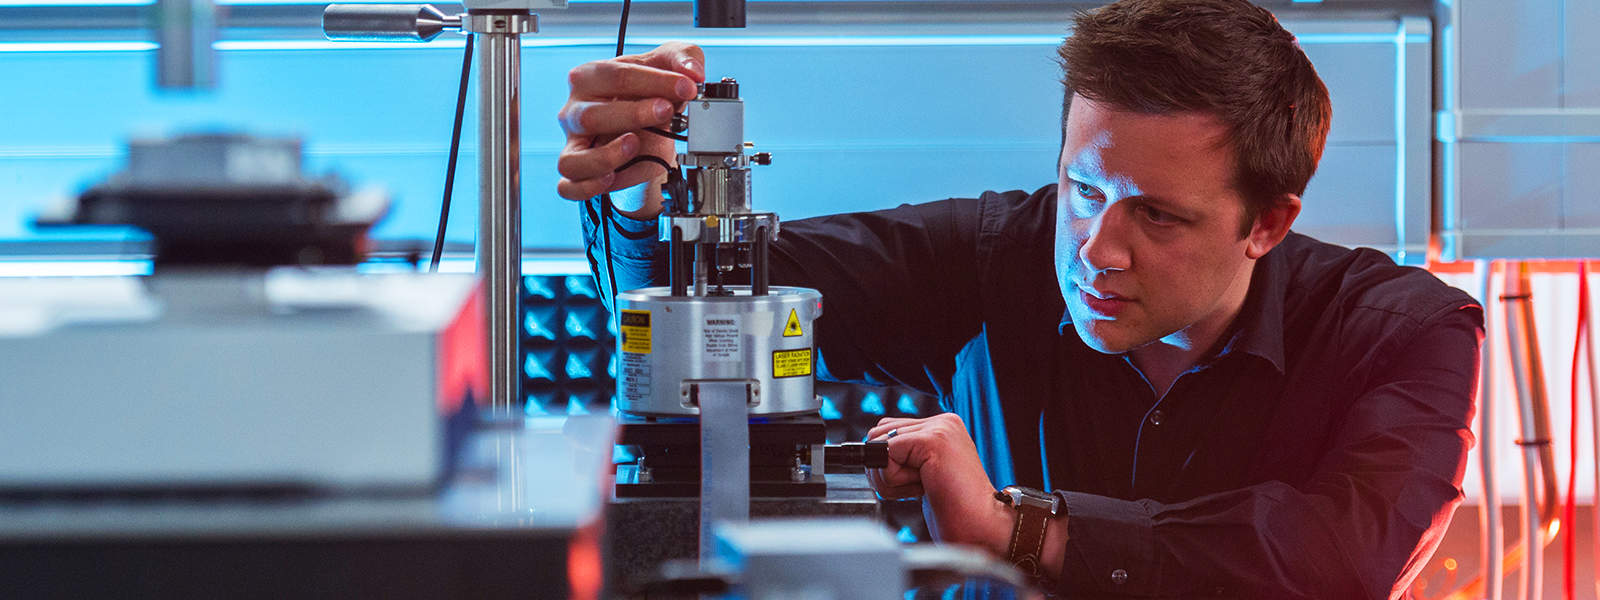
column 1110, row 546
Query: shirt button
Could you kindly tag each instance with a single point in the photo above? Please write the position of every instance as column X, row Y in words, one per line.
column 1156, row 417
column 1119, row 577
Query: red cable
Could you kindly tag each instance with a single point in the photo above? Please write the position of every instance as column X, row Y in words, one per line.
column 1569, row 514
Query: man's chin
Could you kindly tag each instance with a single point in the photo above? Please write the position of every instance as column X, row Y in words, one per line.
column 1102, row 336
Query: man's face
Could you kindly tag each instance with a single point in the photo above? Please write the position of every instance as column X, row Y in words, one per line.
column 1147, row 237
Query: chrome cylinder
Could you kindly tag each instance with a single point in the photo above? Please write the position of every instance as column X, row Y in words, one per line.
column 385, row 22
column 500, row 192
column 184, row 32
column 721, row 191
column 667, row 343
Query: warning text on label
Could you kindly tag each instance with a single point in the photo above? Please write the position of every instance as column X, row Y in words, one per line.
column 791, row 363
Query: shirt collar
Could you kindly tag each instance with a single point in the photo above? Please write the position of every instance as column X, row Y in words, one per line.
column 1258, row 330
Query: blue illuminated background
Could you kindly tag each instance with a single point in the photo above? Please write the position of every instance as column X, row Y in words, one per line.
column 857, row 115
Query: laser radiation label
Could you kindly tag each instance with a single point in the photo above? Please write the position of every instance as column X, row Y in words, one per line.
column 791, row 363
column 792, row 328
column 635, row 327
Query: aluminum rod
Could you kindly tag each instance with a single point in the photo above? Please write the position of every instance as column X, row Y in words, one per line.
column 184, row 31
column 1532, row 530
column 500, row 194
column 1493, row 531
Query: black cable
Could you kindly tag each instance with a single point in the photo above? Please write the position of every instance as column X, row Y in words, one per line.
column 642, row 158
column 667, row 134
column 606, row 219
column 606, row 226
column 622, row 27
column 455, row 147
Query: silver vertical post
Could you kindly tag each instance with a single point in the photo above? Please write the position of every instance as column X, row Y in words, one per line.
column 498, row 26
column 184, row 30
column 500, row 190
column 1489, row 519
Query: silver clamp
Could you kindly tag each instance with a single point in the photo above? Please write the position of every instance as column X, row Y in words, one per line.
column 727, row 229
column 417, row 22
column 516, row 23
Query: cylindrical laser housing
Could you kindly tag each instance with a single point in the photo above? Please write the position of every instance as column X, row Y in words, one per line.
column 665, row 341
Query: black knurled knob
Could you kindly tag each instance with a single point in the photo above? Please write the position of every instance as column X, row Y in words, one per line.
column 727, row 89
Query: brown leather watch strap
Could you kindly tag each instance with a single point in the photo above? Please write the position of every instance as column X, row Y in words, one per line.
column 1034, row 510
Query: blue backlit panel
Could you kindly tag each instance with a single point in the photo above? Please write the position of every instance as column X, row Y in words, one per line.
column 855, row 122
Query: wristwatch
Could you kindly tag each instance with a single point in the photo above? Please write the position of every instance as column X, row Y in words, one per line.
column 1035, row 510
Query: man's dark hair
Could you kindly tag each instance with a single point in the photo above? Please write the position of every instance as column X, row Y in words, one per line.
column 1227, row 58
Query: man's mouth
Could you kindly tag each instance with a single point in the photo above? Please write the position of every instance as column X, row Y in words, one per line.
column 1104, row 304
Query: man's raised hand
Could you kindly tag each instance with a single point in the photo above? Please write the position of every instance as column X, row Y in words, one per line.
column 611, row 101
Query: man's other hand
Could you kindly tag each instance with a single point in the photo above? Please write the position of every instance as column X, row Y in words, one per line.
column 935, row 458
column 610, row 103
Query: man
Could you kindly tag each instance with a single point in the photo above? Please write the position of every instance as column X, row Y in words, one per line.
column 1221, row 406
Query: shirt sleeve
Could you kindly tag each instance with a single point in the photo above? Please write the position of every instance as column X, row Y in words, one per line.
column 1362, row 526
column 624, row 255
column 899, row 286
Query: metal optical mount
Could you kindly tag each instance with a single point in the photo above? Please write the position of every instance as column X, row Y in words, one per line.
column 720, row 351
column 718, row 230
column 498, row 26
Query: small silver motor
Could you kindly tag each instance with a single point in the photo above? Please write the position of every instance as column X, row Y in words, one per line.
column 699, row 328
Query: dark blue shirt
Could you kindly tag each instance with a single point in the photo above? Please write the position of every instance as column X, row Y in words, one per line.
column 1316, row 452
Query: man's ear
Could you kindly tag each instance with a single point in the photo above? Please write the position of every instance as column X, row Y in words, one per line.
column 1271, row 225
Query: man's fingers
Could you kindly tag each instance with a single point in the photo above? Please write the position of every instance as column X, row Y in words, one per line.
column 606, row 118
column 687, row 59
column 579, row 162
column 895, row 481
column 887, row 424
column 910, row 449
column 586, row 189
column 617, row 79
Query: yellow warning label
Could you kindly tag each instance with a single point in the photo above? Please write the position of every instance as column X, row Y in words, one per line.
column 635, row 326
column 792, row 328
column 791, row 363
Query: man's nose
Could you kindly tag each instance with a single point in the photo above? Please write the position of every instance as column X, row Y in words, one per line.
column 1104, row 247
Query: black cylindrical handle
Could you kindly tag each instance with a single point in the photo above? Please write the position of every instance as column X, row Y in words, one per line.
column 384, row 22
column 871, row 455
column 719, row 13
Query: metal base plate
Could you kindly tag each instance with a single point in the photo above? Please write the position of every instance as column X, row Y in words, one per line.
column 628, row 486
column 672, row 449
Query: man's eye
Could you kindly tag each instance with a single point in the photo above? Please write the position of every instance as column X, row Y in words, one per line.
column 1085, row 200
column 1158, row 216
